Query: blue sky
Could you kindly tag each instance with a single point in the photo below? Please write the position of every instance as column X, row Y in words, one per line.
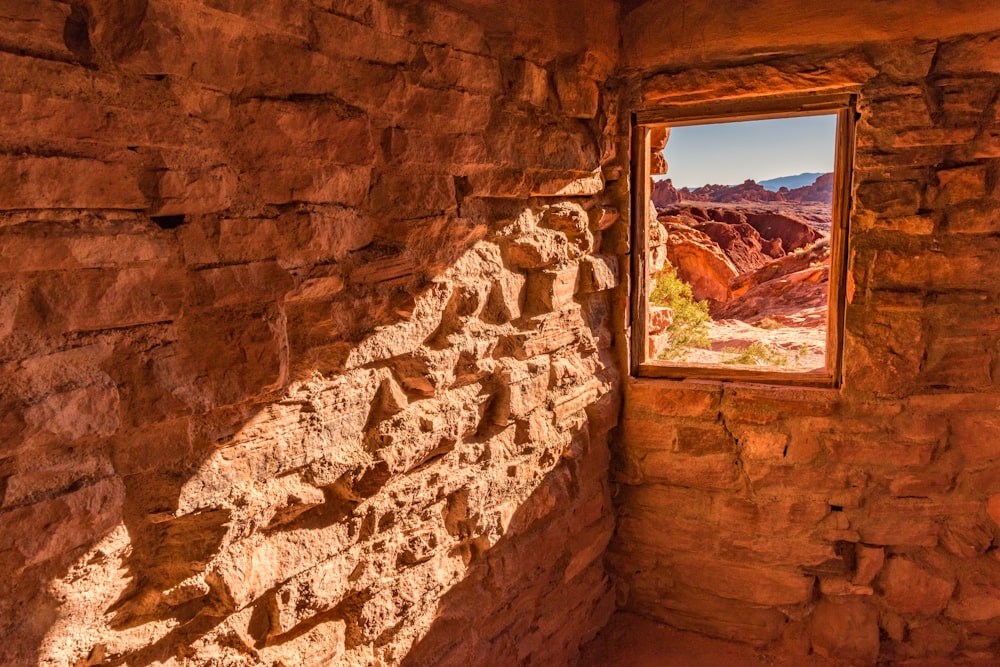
column 730, row 153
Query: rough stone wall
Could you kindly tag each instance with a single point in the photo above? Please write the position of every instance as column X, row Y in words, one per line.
column 859, row 523
column 304, row 342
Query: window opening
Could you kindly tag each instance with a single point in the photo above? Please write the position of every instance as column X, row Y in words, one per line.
column 740, row 224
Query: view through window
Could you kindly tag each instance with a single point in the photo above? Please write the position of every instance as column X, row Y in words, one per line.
column 744, row 245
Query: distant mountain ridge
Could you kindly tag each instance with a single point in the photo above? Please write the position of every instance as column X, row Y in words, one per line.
column 791, row 182
column 817, row 188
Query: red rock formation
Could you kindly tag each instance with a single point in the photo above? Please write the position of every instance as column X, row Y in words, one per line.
column 748, row 191
column 699, row 262
column 740, row 242
column 797, row 299
column 821, row 190
column 664, row 194
column 791, row 232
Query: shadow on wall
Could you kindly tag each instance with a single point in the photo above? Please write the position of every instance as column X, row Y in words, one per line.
column 378, row 459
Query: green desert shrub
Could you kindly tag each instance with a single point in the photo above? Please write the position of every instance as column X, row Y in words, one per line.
column 690, row 325
column 756, row 354
column 762, row 354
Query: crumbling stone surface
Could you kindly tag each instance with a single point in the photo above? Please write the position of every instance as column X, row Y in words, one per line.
column 857, row 523
column 304, row 331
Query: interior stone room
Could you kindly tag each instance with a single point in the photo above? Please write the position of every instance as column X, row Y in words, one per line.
column 316, row 341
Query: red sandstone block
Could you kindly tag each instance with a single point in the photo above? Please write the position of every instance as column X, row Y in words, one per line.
column 449, row 68
column 931, row 638
column 47, row 466
column 765, row 405
column 304, row 131
column 986, row 145
column 35, row 28
column 700, row 439
column 920, row 427
column 434, row 24
column 530, row 83
column 241, row 283
column 910, row 588
column 310, row 182
column 664, row 398
column 973, row 55
column 878, row 449
column 559, row 152
column 564, row 182
column 976, row 217
column 62, row 182
column 909, row 484
column 762, row 443
column 700, row 611
column 578, row 94
column 869, row 562
column 918, row 225
column 977, row 596
column 229, row 355
column 346, row 39
column 934, row 137
column 603, row 217
column 153, row 448
column 104, row 298
column 46, row 247
column 832, row 483
column 897, row 529
column 528, row 394
column 845, row 629
column 402, row 194
column 784, row 551
column 966, row 536
column 977, row 435
column 586, row 547
column 689, row 85
column 957, row 264
column 668, row 501
column 963, row 100
column 653, row 534
column 890, row 199
column 182, row 191
column 577, row 399
column 958, row 362
column 49, row 529
column 435, row 148
column 778, row 517
column 78, row 412
column 432, row 109
column 598, row 273
column 742, row 581
column 552, row 290
column 306, row 237
column 712, row 471
column 891, row 108
column 959, row 184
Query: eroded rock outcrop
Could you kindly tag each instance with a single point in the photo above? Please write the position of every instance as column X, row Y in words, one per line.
column 699, row 261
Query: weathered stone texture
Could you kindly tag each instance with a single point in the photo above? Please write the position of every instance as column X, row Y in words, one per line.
column 293, row 368
column 863, row 519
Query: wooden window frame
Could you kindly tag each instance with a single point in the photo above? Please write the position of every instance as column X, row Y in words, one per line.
column 841, row 103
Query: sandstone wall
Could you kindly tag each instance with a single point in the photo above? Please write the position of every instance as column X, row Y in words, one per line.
column 860, row 523
column 304, row 343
